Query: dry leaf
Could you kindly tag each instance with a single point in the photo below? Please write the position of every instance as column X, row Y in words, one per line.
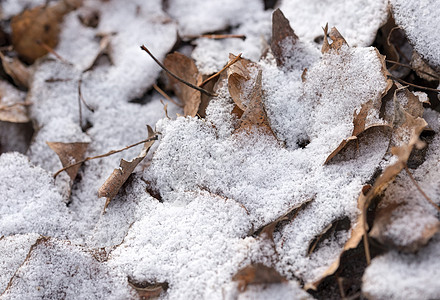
column 185, row 68
column 104, row 50
column 39, row 25
column 283, row 36
column 69, row 153
column 385, row 215
column 423, row 70
column 111, row 186
column 147, row 290
column 255, row 113
column 336, row 37
column 19, row 73
column 257, row 274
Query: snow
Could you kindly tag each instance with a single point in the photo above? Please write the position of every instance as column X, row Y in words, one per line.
column 404, row 276
column 214, row 186
column 419, row 20
column 357, row 20
column 56, row 269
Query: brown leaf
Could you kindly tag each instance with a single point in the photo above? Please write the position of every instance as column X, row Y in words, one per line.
column 423, row 70
column 257, row 274
column 104, row 51
column 185, row 68
column 354, row 146
column 255, row 113
column 146, row 290
column 336, row 37
column 39, row 25
column 385, row 215
column 111, row 186
column 19, row 73
column 69, row 153
column 282, row 36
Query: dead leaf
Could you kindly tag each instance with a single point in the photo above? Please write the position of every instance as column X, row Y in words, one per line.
column 69, row 153
column 385, row 215
column 185, row 68
column 257, row 274
column 111, row 186
column 255, row 113
column 283, row 36
column 19, row 73
column 89, row 18
column 146, row 290
column 336, row 37
column 39, row 25
column 423, row 70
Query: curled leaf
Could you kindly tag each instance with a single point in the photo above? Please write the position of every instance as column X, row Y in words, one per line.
column 111, row 186
column 19, row 73
column 335, row 36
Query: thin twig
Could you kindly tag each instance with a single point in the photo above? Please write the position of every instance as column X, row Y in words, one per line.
column 160, row 91
column 420, row 189
column 50, row 50
column 414, row 85
column 409, row 67
column 175, row 76
column 219, row 72
column 365, row 235
column 82, row 97
column 216, row 36
column 103, row 155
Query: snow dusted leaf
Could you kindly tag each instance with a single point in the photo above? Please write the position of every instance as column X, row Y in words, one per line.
column 185, row 68
column 56, row 269
column 398, row 275
column 420, row 21
column 17, row 70
column 69, row 153
column 39, row 25
column 283, row 37
column 423, row 70
column 111, row 186
column 257, row 274
column 337, row 38
column 12, row 104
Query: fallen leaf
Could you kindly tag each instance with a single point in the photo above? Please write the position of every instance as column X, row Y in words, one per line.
column 146, row 290
column 336, row 37
column 104, row 51
column 39, row 25
column 391, row 210
column 283, row 37
column 89, row 18
column 19, row 73
column 111, row 186
column 185, row 68
column 69, row 153
column 257, row 274
column 423, row 70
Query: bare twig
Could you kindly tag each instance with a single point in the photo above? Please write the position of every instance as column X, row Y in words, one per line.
column 175, row 76
column 409, row 67
column 160, row 91
column 420, row 189
column 413, row 85
column 216, row 36
column 50, row 50
column 219, row 72
column 103, row 155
